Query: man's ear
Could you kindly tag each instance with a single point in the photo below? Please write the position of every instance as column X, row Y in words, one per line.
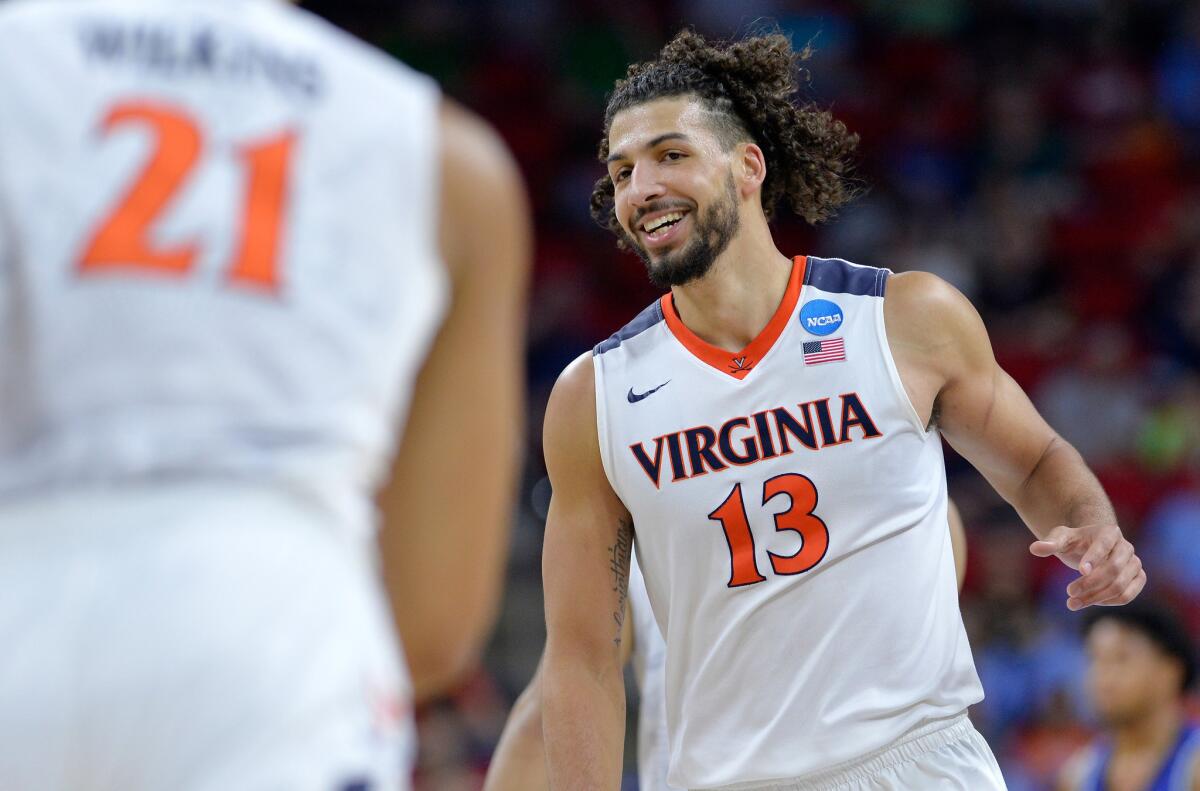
column 750, row 169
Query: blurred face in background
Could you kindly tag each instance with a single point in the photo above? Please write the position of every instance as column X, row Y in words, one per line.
column 1129, row 675
column 673, row 188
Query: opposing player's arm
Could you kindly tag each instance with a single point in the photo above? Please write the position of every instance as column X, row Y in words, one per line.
column 446, row 509
column 519, row 763
column 943, row 350
column 585, row 568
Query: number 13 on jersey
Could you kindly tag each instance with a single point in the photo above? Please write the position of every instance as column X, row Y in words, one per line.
column 798, row 517
column 123, row 238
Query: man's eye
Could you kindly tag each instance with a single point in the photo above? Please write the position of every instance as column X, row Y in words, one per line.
column 621, row 174
column 673, row 155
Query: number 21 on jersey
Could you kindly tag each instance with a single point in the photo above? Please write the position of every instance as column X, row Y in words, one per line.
column 122, row 239
column 798, row 517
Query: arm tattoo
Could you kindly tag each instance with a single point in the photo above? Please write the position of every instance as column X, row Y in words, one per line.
column 618, row 565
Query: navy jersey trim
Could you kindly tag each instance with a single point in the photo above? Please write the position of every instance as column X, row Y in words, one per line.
column 643, row 321
column 841, row 277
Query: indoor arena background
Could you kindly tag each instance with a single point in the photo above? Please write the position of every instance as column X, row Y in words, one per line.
column 1042, row 155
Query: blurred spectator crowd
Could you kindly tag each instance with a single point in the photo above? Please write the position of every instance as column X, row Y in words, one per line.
column 1042, row 155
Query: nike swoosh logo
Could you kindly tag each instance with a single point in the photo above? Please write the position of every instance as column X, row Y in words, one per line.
column 635, row 397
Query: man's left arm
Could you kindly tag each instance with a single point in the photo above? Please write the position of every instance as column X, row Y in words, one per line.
column 946, row 359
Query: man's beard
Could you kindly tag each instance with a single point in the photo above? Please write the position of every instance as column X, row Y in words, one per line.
column 712, row 234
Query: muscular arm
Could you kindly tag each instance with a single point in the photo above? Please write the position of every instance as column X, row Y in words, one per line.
column 585, row 569
column 946, row 361
column 446, row 507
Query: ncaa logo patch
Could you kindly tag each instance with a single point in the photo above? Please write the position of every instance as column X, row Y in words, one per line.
column 821, row 317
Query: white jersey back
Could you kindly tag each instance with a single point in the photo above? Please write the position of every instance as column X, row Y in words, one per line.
column 790, row 517
column 217, row 246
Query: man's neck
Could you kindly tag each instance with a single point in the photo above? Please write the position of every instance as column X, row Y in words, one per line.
column 731, row 305
column 1156, row 731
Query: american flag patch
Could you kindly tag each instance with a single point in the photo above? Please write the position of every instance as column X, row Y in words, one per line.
column 824, row 351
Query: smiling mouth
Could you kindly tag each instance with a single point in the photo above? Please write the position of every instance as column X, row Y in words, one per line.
column 661, row 227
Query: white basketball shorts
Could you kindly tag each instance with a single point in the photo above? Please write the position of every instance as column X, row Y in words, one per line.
column 945, row 755
column 209, row 637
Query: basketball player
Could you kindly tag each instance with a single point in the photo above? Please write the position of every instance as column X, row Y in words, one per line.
column 229, row 234
column 1140, row 665
column 519, row 763
column 773, row 427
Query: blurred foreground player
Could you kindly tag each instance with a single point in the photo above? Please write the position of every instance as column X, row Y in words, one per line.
column 773, row 428
column 229, row 234
column 1141, row 663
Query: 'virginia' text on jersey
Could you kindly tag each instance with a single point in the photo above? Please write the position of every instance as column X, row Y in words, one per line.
column 708, row 449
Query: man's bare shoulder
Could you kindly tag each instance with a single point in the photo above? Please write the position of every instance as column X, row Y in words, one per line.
column 921, row 308
column 931, row 323
column 570, row 425
column 571, row 443
column 481, row 190
column 474, row 142
column 576, row 381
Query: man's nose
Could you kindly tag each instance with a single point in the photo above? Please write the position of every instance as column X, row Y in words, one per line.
column 644, row 185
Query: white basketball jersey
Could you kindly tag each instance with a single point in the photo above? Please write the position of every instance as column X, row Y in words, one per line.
column 789, row 509
column 217, row 247
column 649, row 659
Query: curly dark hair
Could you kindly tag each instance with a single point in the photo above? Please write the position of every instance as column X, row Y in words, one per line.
column 748, row 86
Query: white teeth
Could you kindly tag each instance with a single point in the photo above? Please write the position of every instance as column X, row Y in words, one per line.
column 658, row 222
